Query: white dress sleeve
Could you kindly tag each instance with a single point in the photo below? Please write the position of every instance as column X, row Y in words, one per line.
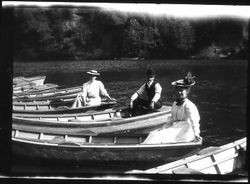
column 194, row 117
column 102, row 89
column 84, row 91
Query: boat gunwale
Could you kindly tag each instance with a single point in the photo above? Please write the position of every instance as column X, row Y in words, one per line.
column 107, row 146
column 27, row 116
column 94, row 122
column 54, row 111
column 71, row 90
column 40, row 103
column 45, row 99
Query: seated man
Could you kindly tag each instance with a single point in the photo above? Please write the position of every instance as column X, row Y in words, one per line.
column 152, row 91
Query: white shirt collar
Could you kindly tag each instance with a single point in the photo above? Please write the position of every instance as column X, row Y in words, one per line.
column 149, row 83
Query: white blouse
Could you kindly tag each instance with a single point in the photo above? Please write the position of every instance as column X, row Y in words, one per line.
column 187, row 112
column 92, row 92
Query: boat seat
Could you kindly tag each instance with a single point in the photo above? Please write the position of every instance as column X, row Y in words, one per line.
column 68, row 143
column 208, row 150
column 61, row 141
column 185, row 170
column 93, row 120
column 62, row 107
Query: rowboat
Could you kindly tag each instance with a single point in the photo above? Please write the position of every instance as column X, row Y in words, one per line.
column 48, row 109
column 48, row 94
column 94, row 123
column 102, row 149
column 211, row 160
column 22, row 81
column 35, row 89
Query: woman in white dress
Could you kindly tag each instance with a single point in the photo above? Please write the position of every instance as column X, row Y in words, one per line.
column 183, row 125
column 92, row 92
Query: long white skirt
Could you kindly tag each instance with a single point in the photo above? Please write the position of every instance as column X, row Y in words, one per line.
column 90, row 102
column 94, row 101
column 180, row 131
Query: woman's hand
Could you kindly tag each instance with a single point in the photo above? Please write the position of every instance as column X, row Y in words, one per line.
column 112, row 99
column 197, row 138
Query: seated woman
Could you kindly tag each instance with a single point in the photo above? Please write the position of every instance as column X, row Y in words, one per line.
column 92, row 92
column 183, row 125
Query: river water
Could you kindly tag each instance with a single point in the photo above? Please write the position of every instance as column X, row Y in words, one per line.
column 220, row 92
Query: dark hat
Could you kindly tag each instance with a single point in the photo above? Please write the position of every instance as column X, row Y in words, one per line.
column 188, row 81
column 151, row 73
column 93, row 72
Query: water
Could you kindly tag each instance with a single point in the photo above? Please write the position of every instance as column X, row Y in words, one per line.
column 220, row 90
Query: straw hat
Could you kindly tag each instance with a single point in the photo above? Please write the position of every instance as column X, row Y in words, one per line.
column 93, row 72
column 188, row 81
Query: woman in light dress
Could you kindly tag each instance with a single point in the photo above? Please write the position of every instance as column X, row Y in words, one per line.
column 183, row 125
column 92, row 92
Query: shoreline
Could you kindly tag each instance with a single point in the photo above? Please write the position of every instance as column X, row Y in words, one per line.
column 48, row 67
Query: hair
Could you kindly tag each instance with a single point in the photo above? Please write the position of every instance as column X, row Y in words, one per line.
column 151, row 72
column 187, row 88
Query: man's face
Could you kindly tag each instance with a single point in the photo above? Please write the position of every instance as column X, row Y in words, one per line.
column 150, row 79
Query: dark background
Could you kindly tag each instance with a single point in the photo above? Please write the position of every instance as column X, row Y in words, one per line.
column 77, row 33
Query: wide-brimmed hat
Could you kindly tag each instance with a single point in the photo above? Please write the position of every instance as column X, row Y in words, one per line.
column 93, row 72
column 151, row 73
column 186, row 82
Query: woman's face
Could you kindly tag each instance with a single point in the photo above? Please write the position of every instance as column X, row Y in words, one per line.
column 93, row 77
column 182, row 92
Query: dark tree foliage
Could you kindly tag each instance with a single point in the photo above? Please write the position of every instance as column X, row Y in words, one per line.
column 90, row 33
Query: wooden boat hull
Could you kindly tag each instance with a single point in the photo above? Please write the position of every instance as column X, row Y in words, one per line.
column 50, row 95
column 111, row 121
column 63, row 110
column 212, row 160
column 72, row 153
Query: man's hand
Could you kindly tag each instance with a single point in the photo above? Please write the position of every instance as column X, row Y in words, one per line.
column 152, row 104
column 131, row 104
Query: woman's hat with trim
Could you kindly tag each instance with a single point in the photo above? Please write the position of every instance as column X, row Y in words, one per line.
column 93, row 72
column 188, row 81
